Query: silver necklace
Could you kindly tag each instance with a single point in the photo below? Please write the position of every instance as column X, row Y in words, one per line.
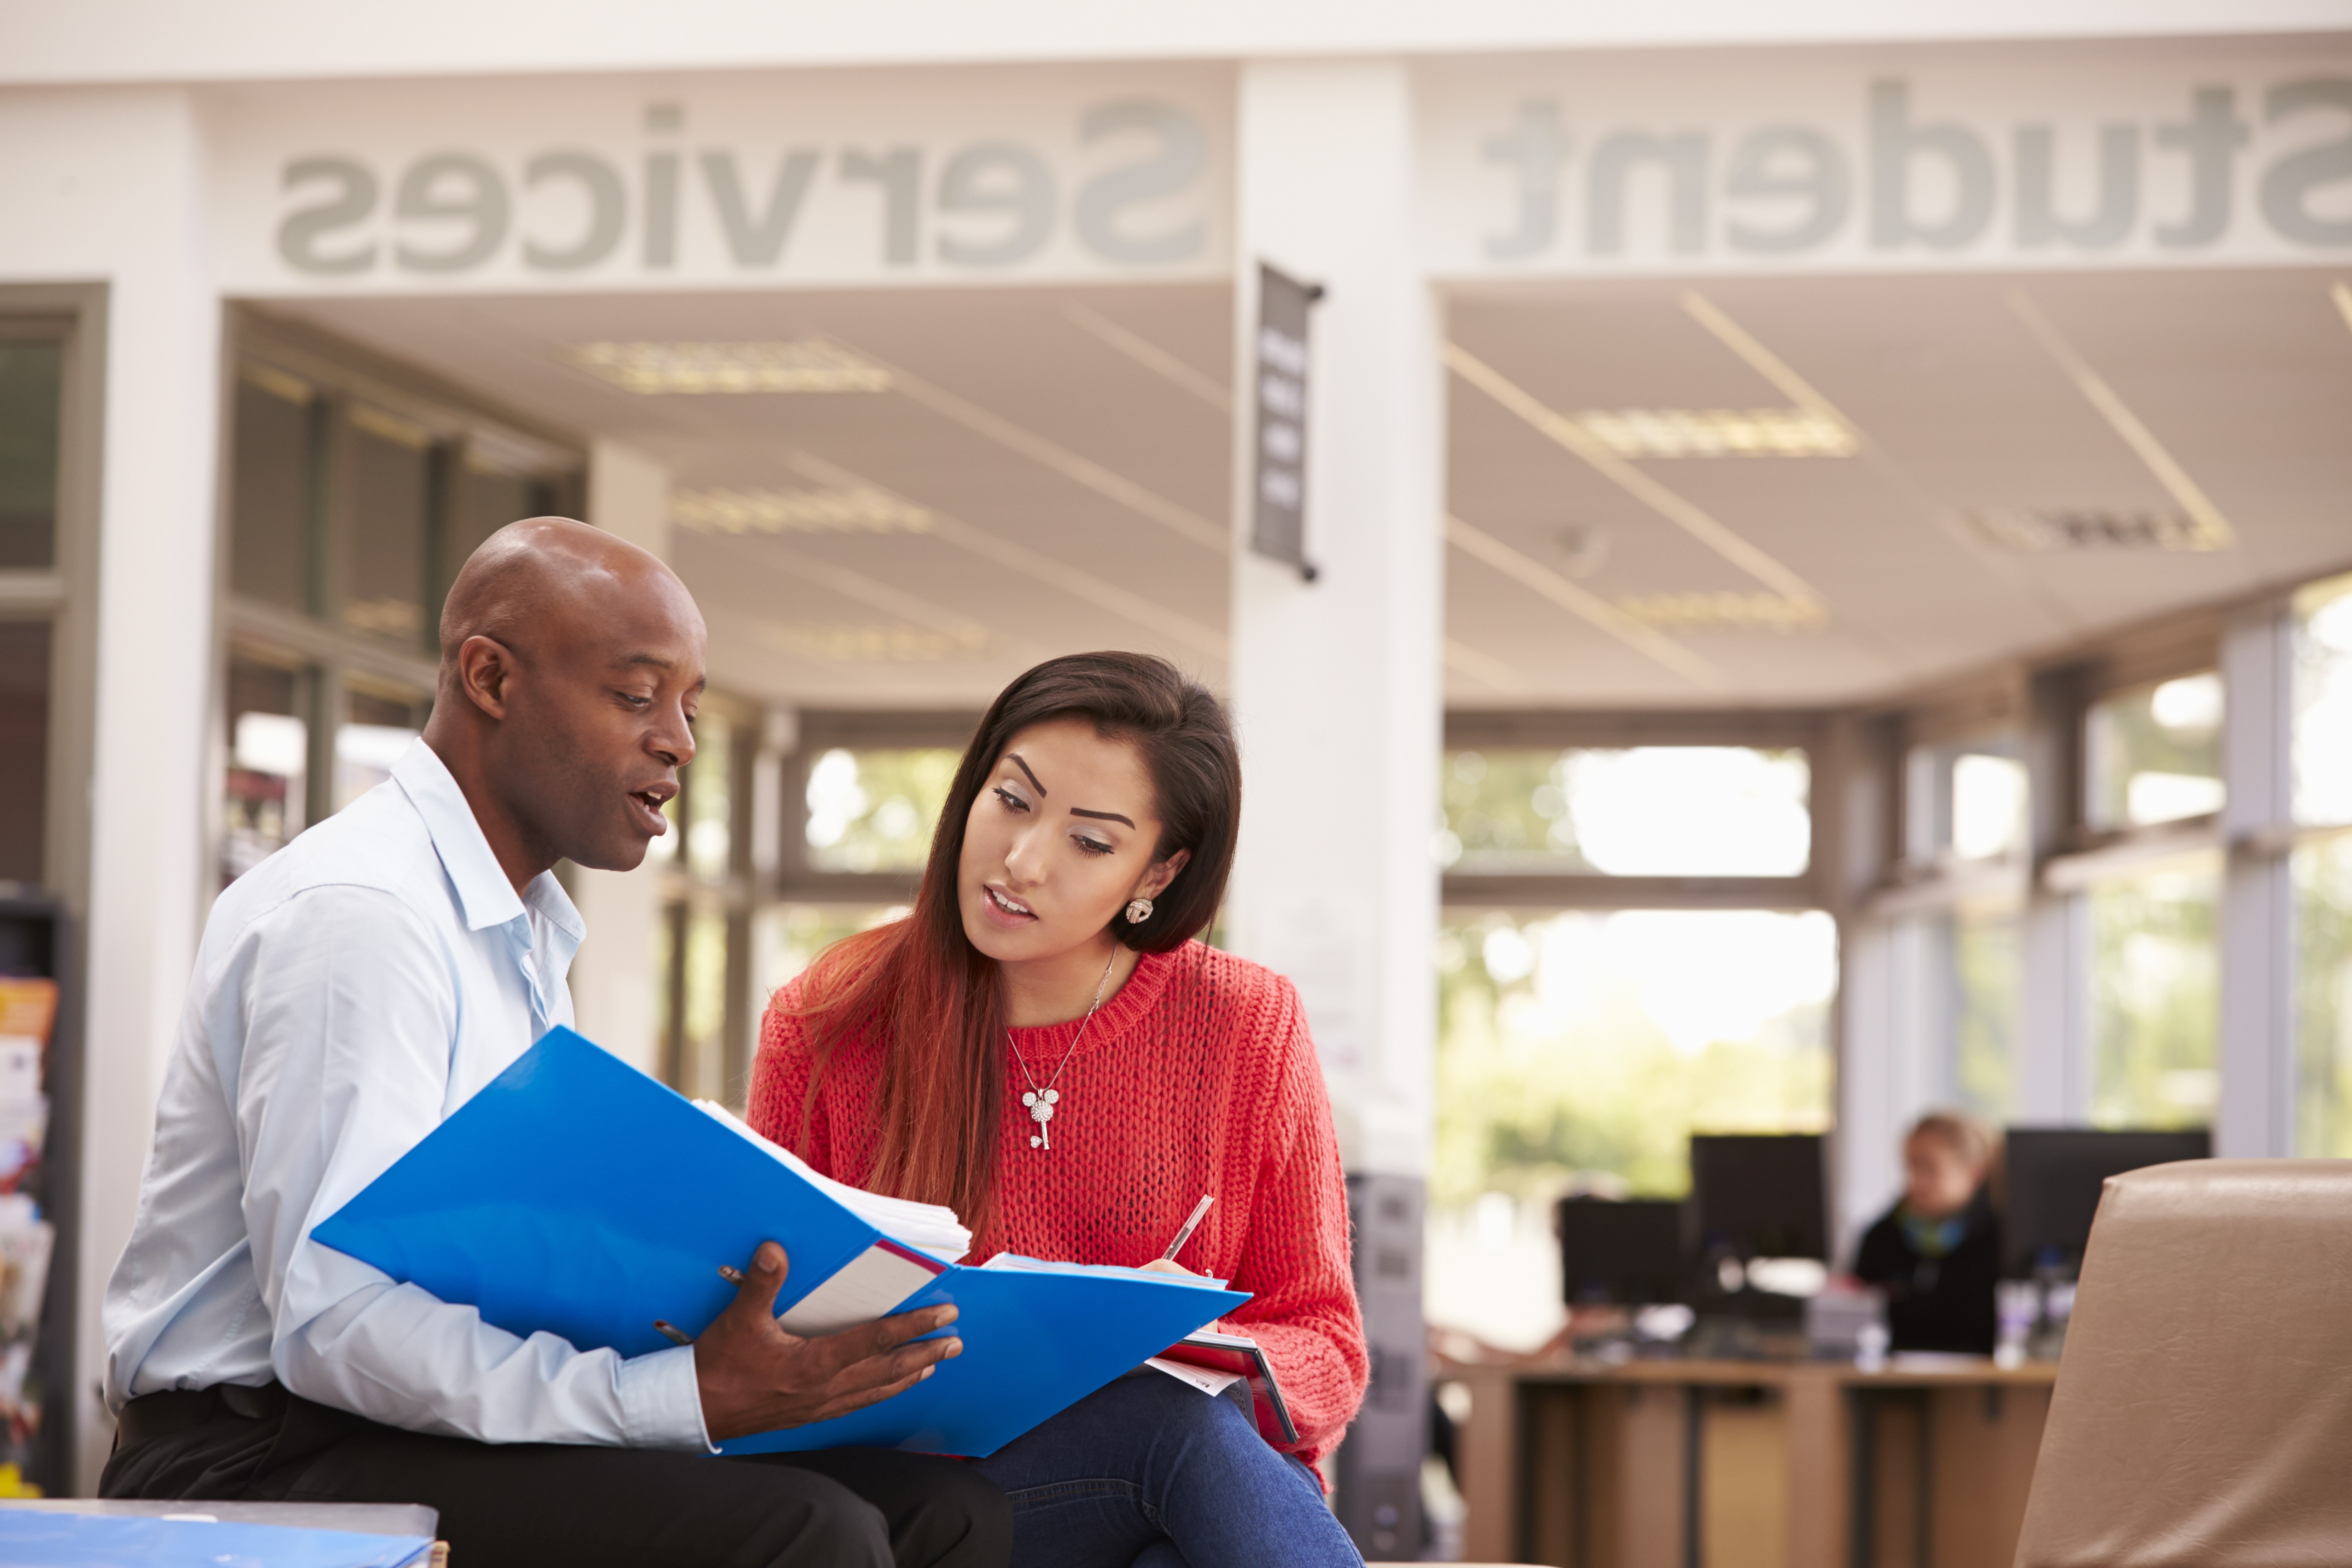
column 1041, row 1101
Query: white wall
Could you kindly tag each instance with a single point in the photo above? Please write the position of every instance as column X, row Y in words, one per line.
column 1336, row 683
column 120, row 41
column 613, row 987
column 105, row 186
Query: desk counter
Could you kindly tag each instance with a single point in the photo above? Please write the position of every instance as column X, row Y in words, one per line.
column 1733, row 1464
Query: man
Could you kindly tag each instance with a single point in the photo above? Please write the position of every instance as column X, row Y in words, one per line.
column 350, row 994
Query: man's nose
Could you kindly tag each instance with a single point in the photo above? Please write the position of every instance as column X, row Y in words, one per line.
column 674, row 742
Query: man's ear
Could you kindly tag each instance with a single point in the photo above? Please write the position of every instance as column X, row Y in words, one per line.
column 484, row 668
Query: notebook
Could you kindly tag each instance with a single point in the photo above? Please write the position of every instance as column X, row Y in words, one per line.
column 1212, row 1360
column 575, row 1195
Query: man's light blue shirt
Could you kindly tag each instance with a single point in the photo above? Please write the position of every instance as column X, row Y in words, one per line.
column 351, row 992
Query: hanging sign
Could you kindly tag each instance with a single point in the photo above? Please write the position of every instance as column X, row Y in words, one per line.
column 1278, row 529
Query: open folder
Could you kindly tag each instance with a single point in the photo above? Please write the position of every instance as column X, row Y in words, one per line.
column 576, row 1196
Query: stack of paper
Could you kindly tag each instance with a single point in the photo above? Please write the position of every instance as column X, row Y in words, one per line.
column 926, row 1227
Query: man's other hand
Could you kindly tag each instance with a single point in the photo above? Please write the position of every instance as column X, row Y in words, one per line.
column 756, row 1375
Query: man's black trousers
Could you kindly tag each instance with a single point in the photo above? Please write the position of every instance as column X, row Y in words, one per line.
column 521, row 1505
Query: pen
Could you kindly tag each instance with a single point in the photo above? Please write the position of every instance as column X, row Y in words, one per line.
column 1191, row 1226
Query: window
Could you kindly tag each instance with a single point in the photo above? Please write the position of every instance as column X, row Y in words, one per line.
column 1982, row 940
column 1626, row 956
column 380, row 721
column 2322, row 874
column 390, row 503
column 709, row 803
column 1578, row 1051
column 46, row 611
column 32, row 392
column 2155, row 996
column 875, row 809
column 2323, row 704
column 352, row 502
column 1965, row 800
column 1642, row 811
column 275, row 470
column 2153, row 753
column 2320, row 868
column 24, row 748
column 692, row 951
column 491, row 489
column 266, row 790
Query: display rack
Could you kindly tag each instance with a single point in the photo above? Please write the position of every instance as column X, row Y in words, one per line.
column 36, row 940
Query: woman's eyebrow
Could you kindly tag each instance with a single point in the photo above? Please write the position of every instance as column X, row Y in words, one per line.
column 1103, row 815
column 1014, row 758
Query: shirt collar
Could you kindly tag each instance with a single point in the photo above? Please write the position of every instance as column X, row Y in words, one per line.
column 483, row 890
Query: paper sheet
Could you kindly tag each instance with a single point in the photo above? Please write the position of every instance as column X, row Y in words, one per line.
column 1207, row 1381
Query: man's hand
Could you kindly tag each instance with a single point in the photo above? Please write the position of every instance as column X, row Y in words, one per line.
column 756, row 1376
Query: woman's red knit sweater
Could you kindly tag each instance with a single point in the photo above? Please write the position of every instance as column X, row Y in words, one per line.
column 1198, row 1077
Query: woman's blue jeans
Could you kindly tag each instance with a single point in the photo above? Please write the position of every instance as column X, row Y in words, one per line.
column 1149, row 1473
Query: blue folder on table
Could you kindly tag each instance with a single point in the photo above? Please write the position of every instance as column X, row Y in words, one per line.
column 575, row 1195
column 59, row 1540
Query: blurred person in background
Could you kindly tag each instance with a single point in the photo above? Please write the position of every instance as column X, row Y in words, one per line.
column 1936, row 1253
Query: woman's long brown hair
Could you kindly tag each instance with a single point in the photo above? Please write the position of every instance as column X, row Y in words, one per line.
column 935, row 1002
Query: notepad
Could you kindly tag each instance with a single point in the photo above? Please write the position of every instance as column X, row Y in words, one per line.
column 575, row 1195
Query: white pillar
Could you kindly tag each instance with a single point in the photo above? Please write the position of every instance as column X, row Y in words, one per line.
column 1894, row 1008
column 149, row 885
column 615, row 995
column 2256, row 1056
column 1336, row 683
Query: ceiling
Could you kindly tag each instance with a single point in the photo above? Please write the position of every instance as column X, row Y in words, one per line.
column 1064, row 456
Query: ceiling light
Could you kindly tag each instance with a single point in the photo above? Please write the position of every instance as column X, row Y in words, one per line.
column 1718, row 433
column 1726, row 612
column 860, row 510
column 838, row 643
column 809, row 364
column 2046, row 530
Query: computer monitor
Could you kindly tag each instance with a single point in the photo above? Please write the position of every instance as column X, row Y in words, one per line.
column 2055, row 1175
column 1761, row 1195
column 1624, row 1251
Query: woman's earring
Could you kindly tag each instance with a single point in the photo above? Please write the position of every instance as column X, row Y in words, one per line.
column 1139, row 912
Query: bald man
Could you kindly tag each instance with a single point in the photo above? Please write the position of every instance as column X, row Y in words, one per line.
column 352, row 991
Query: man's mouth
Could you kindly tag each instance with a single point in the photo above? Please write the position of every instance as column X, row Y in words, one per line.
column 648, row 805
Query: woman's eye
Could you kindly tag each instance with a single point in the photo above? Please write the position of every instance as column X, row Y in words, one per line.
column 1092, row 846
column 1011, row 801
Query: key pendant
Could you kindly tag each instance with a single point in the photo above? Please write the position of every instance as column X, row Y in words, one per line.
column 1041, row 1111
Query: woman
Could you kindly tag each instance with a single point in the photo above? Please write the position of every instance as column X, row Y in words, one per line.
column 1044, row 1047
column 1936, row 1253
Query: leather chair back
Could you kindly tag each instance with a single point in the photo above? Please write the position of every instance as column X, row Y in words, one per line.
column 2203, row 1409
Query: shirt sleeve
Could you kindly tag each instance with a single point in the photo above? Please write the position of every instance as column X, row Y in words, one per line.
column 348, row 1012
column 1303, row 1310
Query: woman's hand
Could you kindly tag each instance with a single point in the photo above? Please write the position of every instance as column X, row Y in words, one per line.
column 1169, row 1266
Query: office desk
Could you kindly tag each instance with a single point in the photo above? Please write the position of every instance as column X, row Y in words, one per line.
column 1722, row 1464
